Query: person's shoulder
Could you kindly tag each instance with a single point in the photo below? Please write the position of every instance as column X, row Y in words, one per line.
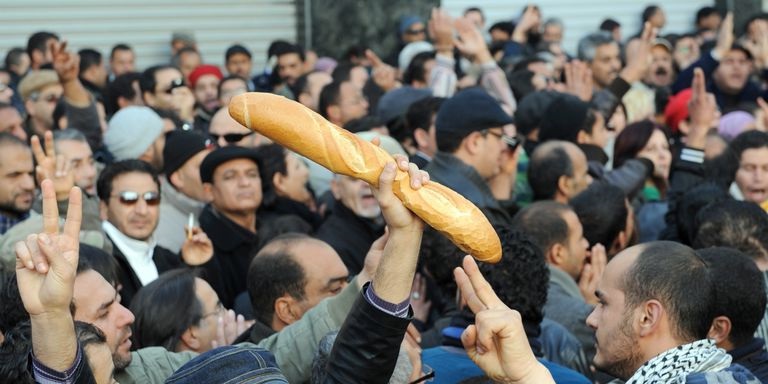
column 563, row 375
column 734, row 374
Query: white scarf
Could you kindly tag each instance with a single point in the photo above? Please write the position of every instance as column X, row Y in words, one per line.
column 138, row 253
column 674, row 365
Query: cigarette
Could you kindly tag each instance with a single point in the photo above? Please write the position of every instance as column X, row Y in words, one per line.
column 190, row 225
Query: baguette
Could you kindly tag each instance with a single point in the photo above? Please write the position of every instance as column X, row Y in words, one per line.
column 305, row 132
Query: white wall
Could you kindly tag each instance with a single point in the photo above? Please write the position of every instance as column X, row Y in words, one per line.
column 584, row 16
column 147, row 25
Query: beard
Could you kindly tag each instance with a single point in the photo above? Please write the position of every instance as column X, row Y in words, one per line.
column 627, row 352
column 13, row 209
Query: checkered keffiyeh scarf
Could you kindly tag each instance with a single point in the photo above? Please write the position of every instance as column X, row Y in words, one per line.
column 675, row 364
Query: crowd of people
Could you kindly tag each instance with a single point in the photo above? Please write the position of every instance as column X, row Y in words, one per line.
column 147, row 237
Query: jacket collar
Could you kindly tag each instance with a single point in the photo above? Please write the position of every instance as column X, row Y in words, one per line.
column 560, row 278
column 179, row 201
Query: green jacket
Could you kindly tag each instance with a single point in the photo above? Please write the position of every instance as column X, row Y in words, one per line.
column 294, row 347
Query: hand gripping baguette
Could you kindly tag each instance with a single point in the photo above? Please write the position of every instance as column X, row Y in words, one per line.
column 305, row 132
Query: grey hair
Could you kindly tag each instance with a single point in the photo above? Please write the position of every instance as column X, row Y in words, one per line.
column 69, row 134
column 588, row 44
column 553, row 21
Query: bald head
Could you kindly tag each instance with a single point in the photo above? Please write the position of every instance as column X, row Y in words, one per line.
column 558, row 171
column 226, row 131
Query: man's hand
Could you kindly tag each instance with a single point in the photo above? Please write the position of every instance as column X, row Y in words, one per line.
column 759, row 47
column 53, row 167
column 724, row 37
column 761, row 116
column 702, row 111
column 384, row 75
column 592, row 273
column 578, row 80
column 46, row 265
column 639, row 55
column 471, row 43
column 441, row 31
column 183, row 101
column 229, row 327
column 530, row 19
column 197, row 249
column 46, row 262
column 397, row 216
column 419, row 302
column 66, row 64
column 496, row 342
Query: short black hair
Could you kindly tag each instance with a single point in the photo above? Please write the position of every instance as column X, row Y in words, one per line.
column 678, row 277
column 343, row 72
column 521, row 277
column 38, row 40
column 121, row 86
column 271, row 161
column 13, row 57
column 97, row 259
column 285, row 49
column 440, row 257
column 89, row 334
column 504, row 26
column 419, row 115
column 236, row 49
column 119, row 47
column 602, row 211
column 609, row 25
column 548, row 163
column 688, row 207
column 116, row 169
column 751, row 139
column 543, row 221
column 741, row 225
column 12, row 311
column 147, row 81
column 649, row 11
column 329, row 96
column 14, row 354
column 739, row 291
column 89, row 58
column 165, row 309
column 449, row 142
column 416, row 70
column 273, row 273
column 705, row 12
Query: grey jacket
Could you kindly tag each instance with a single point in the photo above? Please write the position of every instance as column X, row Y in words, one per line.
column 175, row 208
column 566, row 306
column 294, row 347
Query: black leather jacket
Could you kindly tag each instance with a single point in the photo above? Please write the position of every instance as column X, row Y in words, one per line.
column 367, row 345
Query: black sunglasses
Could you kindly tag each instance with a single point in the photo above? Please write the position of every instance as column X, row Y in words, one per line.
column 176, row 83
column 230, row 138
column 415, row 31
column 131, row 197
column 512, row 141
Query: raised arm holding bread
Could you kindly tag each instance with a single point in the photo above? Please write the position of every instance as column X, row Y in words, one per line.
column 306, row 132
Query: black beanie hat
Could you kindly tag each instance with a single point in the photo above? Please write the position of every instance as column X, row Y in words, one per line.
column 180, row 146
column 563, row 119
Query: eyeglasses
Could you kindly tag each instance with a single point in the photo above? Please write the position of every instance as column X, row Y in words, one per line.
column 50, row 98
column 130, row 197
column 230, row 138
column 176, row 83
column 512, row 141
column 217, row 311
column 415, row 31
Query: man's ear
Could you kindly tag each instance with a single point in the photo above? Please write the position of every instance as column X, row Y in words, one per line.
column 102, row 210
column 284, row 312
column 208, row 192
column 556, row 255
column 148, row 98
column 564, row 185
column 190, row 340
column 29, row 106
column 471, row 143
column 650, row 317
column 176, row 180
column 333, row 112
column 583, row 138
column 278, row 179
column 335, row 187
column 720, row 329
column 619, row 243
column 422, row 137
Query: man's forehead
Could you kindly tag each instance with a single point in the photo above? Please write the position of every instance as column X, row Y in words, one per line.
column 91, row 293
column 242, row 164
column 11, row 151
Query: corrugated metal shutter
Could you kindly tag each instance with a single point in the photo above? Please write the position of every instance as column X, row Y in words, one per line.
column 583, row 17
column 147, row 25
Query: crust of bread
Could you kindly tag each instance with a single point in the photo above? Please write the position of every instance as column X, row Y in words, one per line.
column 305, row 132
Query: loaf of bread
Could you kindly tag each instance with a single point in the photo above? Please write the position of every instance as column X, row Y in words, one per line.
column 305, row 132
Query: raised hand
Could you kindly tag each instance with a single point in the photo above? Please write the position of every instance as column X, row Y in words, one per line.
column 384, row 75
column 725, row 36
column 702, row 111
column 46, row 266
column 471, row 43
column 639, row 55
column 441, row 31
column 197, row 249
column 496, row 342
column 53, row 167
column 578, row 80
column 66, row 63
column 530, row 19
column 592, row 273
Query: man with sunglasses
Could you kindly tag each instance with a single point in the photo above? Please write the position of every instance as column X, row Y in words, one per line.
column 164, row 87
column 129, row 194
column 477, row 152
column 225, row 131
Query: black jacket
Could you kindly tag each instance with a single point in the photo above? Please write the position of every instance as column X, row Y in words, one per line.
column 255, row 334
column 367, row 345
column 233, row 249
column 350, row 235
column 164, row 259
